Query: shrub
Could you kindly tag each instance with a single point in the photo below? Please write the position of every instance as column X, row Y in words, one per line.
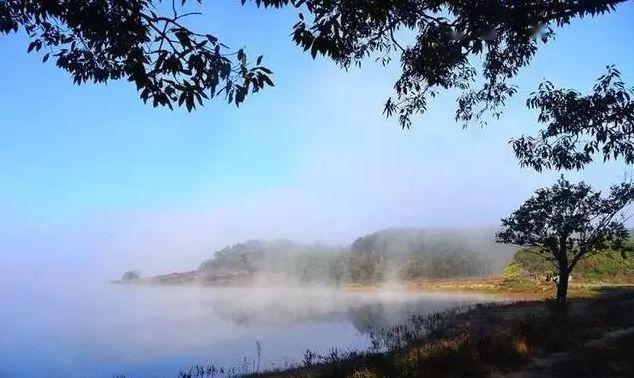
column 514, row 272
column 131, row 275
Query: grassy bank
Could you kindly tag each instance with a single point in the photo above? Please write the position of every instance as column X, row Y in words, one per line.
column 494, row 340
column 499, row 286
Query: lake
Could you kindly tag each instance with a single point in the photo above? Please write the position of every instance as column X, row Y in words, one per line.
column 150, row 331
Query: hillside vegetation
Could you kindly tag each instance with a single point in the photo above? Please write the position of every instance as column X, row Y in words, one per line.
column 388, row 255
column 605, row 267
column 406, row 254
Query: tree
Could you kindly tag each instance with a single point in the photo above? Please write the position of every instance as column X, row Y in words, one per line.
column 103, row 40
column 579, row 126
column 131, row 275
column 567, row 223
column 438, row 42
column 447, row 36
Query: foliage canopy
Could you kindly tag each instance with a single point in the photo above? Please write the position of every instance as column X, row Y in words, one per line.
column 579, row 126
column 103, row 40
column 449, row 36
column 438, row 43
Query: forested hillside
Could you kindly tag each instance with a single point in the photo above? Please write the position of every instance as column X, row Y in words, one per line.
column 388, row 256
column 280, row 259
column 393, row 254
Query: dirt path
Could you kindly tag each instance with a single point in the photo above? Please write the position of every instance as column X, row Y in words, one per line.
column 542, row 367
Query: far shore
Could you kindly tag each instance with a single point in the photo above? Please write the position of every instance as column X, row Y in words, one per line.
column 494, row 285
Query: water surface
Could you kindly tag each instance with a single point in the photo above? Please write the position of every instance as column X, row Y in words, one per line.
column 148, row 331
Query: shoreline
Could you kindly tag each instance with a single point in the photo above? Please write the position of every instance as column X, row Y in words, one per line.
column 494, row 285
column 520, row 339
column 520, row 336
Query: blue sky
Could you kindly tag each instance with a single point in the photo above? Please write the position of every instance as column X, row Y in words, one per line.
column 90, row 175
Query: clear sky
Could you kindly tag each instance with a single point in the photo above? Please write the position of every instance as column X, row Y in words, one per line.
column 93, row 179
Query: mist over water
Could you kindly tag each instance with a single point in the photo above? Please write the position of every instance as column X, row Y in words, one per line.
column 78, row 330
column 61, row 318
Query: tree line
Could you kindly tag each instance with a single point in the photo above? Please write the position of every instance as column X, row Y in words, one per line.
column 395, row 254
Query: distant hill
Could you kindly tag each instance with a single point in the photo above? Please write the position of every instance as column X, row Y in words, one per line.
column 410, row 253
column 393, row 254
column 277, row 260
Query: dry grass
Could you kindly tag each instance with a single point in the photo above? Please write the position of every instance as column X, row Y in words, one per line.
column 525, row 290
column 612, row 358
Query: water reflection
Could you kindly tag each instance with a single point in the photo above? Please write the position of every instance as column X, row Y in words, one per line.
column 143, row 331
column 368, row 311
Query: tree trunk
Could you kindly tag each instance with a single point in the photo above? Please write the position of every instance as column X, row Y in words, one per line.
column 562, row 287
